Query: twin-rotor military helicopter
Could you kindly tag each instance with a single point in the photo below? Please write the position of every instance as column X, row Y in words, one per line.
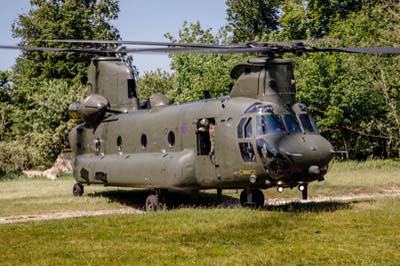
column 255, row 138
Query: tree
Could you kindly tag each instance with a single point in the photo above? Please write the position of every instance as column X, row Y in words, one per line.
column 356, row 97
column 5, row 96
column 62, row 19
column 195, row 73
column 156, row 82
column 251, row 19
column 293, row 21
column 45, row 83
column 322, row 14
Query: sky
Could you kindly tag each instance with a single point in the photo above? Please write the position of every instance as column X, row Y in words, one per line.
column 139, row 20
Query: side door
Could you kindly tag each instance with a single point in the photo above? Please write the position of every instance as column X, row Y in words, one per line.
column 206, row 160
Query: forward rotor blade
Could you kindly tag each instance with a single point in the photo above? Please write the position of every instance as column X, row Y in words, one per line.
column 79, row 50
column 249, row 48
column 163, row 50
column 193, row 45
column 357, row 50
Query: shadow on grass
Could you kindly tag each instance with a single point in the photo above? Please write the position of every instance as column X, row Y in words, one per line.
column 184, row 199
column 174, row 199
column 298, row 207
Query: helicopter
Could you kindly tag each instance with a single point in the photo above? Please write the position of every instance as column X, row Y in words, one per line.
column 257, row 137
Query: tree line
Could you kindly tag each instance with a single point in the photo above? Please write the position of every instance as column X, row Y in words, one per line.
column 355, row 98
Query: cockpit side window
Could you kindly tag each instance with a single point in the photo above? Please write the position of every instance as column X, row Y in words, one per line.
column 245, row 128
column 248, row 129
column 291, row 124
column 308, row 123
column 240, row 128
column 269, row 124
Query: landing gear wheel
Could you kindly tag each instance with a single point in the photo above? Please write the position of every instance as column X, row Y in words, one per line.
column 252, row 197
column 152, row 203
column 219, row 195
column 304, row 193
column 77, row 190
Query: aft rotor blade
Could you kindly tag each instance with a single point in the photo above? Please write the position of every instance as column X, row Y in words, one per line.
column 249, row 48
column 193, row 45
column 198, row 50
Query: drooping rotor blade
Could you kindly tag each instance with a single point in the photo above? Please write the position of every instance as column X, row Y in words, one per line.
column 124, row 50
column 263, row 48
column 54, row 49
column 192, row 45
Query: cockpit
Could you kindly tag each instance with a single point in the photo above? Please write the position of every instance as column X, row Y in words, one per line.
column 286, row 142
column 267, row 122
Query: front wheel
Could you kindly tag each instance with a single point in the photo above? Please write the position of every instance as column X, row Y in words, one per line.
column 252, row 197
column 304, row 192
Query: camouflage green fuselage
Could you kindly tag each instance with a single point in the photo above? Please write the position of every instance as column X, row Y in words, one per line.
column 124, row 160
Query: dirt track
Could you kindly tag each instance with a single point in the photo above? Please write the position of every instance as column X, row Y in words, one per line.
column 64, row 215
column 268, row 202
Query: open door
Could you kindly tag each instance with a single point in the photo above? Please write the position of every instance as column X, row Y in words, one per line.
column 206, row 157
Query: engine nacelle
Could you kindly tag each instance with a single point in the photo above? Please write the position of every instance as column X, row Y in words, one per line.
column 92, row 110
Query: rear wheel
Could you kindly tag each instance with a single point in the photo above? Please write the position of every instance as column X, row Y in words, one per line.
column 152, row 203
column 77, row 190
column 252, row 197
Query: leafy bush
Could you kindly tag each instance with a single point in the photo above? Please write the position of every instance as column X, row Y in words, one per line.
column 38, row 124
column 14, row 157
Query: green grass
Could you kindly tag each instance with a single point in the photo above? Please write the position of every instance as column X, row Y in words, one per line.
column 354, row 233
column 359, row 232
column 24, row 196
column 350, row 177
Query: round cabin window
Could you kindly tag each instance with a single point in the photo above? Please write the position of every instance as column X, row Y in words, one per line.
column 97, row 145
column 171, row 139
column 119, row 143
column 143, row 141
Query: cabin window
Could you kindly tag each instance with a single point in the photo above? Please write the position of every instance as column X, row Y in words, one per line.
column 269, row 124
column 171, row 139
column 119, row 143
column 132, row 88
column 97, row 146
column 247, row 152
column 143, row 141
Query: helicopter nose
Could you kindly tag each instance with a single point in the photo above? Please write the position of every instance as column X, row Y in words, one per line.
column 309, row 153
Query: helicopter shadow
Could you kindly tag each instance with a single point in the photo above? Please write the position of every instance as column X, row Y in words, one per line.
column 175, row 199
column 314, row 207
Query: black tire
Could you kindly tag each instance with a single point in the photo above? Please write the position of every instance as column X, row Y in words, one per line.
column 77, row 190
column 304, row 193
column 252, row 198
column 152, row 203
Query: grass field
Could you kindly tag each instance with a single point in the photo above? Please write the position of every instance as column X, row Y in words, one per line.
column 358, row 232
